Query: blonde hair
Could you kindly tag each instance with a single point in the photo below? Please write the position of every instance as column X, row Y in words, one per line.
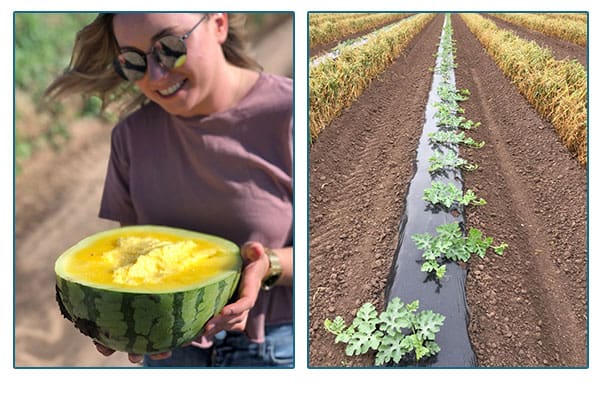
column 91, row 73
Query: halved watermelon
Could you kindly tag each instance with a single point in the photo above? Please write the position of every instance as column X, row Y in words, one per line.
column 146, row 289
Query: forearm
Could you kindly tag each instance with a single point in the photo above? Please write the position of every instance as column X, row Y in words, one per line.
column 286, row 258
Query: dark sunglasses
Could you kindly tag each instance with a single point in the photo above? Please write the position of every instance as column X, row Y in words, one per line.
column 170, row 51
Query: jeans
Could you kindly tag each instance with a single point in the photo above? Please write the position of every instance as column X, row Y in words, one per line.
column 234, row 349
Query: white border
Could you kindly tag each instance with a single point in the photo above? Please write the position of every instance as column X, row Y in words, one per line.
column 299, row 382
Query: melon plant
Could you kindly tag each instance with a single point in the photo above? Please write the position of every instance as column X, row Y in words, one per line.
column 146, row 289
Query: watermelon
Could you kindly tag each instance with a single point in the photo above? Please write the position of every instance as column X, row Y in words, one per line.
column 146, row 289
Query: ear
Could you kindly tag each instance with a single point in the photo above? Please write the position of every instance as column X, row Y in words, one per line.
column 221, row 24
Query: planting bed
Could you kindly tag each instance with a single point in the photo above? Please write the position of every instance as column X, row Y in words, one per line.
column 561, row 49
column 528, row 307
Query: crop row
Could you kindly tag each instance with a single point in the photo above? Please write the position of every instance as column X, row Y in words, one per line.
column 565, row 29
column 336, row 83
column 450, row 244
column 330, row 30
column 315, row 19
column 556, row 89
column 582, row 17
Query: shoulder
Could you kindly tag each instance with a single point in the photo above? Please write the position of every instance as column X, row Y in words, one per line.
column 276, row 84
column 147, row 112
column 140, row 121
column 270, row 94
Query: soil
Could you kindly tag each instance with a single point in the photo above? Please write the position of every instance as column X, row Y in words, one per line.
column 57, row 196
column 528, row 307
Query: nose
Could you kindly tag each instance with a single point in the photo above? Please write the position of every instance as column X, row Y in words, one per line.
column 156, row 70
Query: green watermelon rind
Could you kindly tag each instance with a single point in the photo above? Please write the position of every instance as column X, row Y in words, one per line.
column 144, row 323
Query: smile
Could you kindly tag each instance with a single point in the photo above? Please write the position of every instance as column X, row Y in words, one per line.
column 171, row 89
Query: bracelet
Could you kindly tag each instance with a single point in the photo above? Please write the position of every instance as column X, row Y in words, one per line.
column 274, row 272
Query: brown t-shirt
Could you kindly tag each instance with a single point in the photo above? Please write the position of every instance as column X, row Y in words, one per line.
column 227, row 174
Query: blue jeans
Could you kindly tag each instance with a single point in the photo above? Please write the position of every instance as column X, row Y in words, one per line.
column 234, row 349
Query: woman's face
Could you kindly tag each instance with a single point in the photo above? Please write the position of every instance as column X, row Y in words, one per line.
column 185, row 90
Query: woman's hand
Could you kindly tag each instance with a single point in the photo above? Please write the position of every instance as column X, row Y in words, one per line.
column 134, row 358
column 234, row 316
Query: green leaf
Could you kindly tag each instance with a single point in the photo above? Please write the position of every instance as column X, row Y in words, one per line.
column 432, row 254
column 409, row 342
column 361, row 342
column 423, row 241
column 446, row 194
column 413, row 307
column 433, row 347
column 395, row 317
column 458, row 252
column 476, row 243
column 390, row 349
column 430, row 266
column 345, row 336
column 449, row 232
column 441, row 271
column 367, row 315
column 500, row 248
column 336, row 326
column 427, row 324
column 420, row 350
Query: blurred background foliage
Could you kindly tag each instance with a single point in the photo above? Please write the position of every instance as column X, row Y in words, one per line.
column 42, row 49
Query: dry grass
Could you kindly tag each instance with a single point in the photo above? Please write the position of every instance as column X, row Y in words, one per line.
column 336, row 83
column 564, row 28
column 557, row 89
column 337, row 26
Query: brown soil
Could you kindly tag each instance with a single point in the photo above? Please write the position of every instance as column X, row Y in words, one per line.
column 57, row 197
column 360, row 167
column 528, row 307
column 561, row 49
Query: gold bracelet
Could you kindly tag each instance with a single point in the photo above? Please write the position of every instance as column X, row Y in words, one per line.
column 274, row 272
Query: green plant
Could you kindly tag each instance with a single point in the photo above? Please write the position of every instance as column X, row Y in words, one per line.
column 397, row 332
column 453, row 121
column 448, row 92
column 453, row 137
column 448, row 194
column 451, row 244
column 450, row 159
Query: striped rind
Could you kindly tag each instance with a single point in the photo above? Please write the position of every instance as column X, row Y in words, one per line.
column 143, row 323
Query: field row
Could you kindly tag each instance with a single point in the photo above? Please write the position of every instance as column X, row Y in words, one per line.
column 332, row 27
column 564, row 28
column 336, row 83
column 556, row 89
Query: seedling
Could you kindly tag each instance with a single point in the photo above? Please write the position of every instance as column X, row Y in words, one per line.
column 450, row 244
column 448, row 194
column 453, row 137
column 450, row 159
column 398, row 332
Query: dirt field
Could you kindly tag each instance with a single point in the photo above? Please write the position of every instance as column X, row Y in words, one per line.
column 57, row 200
column 529, row 307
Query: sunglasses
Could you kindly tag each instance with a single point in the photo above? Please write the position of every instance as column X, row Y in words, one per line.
column 170, row 51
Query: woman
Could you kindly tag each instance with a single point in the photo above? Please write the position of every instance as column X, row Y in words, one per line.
column 208, row 148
